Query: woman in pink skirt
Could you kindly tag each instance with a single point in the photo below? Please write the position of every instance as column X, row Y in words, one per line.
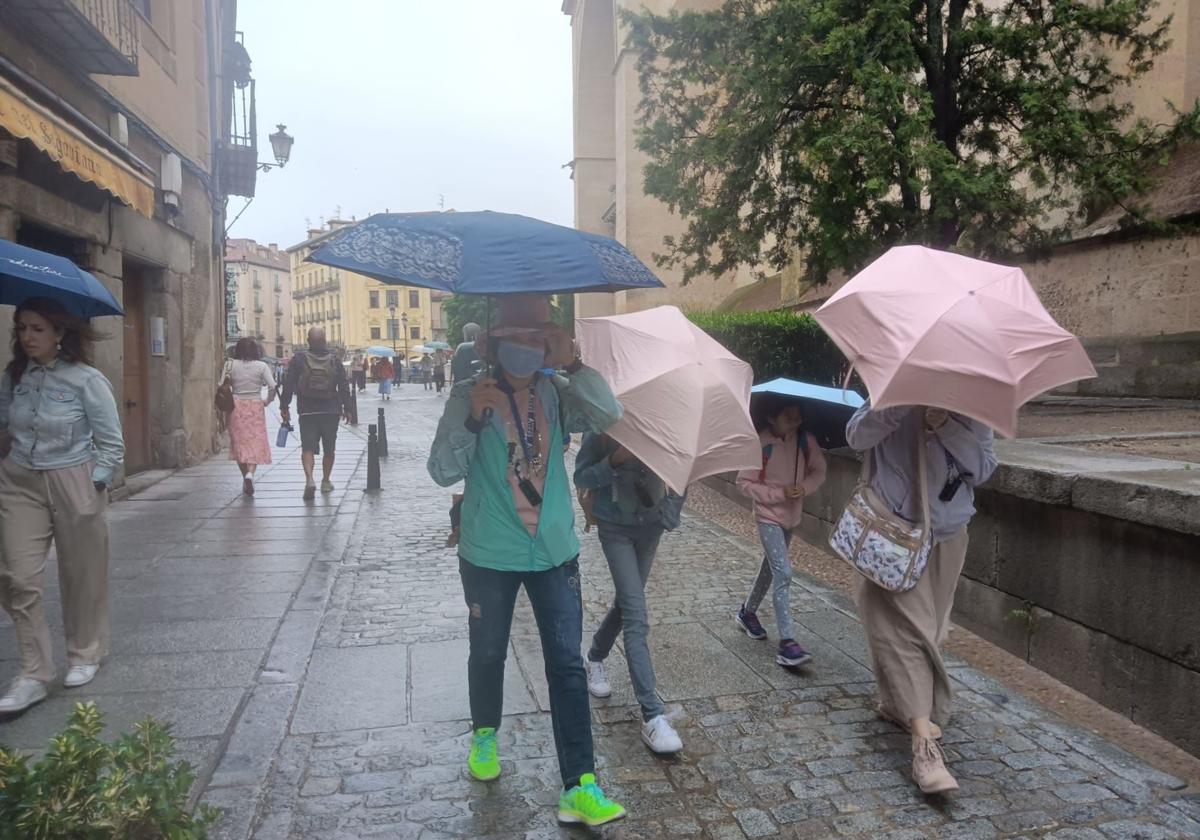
column 248, row 442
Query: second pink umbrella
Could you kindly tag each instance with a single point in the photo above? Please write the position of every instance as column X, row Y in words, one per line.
column 927, row 327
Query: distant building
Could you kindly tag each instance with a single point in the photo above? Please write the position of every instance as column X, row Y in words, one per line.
column 261, row 307
column 356, row 311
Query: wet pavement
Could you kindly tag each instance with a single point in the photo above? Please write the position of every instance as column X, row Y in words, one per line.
column 313, row 659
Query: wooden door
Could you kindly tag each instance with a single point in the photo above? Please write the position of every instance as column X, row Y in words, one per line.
column 134, row 411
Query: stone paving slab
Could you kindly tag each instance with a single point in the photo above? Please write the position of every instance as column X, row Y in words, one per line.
column 358, row 688
column 439, row 685
column 768, row 753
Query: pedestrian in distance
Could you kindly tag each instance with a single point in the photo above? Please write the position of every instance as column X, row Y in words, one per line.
column 439, row 371
column 465, row 359
column 632, row 507
column 319, row 382
column 386, row 374
column 360, row 372
column 792, row 468
column 905, row 630
column 249, row 445
column 398, row 371
column 502, row 433
column 427, row 371
column 60, row 435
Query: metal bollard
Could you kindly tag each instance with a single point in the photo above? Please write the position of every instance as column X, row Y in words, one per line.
column 383, row 444
column 352, row 407
column 373, row 485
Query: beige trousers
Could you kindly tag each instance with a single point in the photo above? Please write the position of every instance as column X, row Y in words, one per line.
column 37, row 506
column 905, row 631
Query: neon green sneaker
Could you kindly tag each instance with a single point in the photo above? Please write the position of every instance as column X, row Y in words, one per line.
column 482, row 762
column 586, row 803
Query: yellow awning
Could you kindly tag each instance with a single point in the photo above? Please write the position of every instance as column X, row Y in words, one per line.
column 73, row 151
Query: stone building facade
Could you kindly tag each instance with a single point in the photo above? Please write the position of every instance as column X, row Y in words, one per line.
column 261, row 286
column 111, row 117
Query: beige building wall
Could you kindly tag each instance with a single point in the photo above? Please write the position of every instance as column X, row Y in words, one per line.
column 264, row 294
column 353, row 309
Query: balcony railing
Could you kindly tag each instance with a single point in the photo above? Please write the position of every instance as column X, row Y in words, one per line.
column 96, row 36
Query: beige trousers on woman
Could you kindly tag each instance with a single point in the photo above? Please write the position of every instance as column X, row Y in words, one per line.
column 37, row 506
column 905, row 631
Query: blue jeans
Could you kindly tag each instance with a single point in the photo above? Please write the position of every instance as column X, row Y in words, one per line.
column 630, row 551
column 776, row 573
column 558, row 610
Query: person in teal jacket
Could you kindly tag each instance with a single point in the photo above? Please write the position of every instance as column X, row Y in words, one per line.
column 502, row 432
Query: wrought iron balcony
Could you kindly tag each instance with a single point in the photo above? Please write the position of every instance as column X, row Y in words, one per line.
column 96, row 36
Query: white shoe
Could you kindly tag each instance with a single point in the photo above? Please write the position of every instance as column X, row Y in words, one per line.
column 21, row 694
column 597, row 680
column 660, row 736
column 80, row 675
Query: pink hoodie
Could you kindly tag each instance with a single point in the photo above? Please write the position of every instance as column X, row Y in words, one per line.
column 767, row 486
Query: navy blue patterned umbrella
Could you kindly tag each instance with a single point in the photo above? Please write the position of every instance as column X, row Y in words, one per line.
column 484, row 253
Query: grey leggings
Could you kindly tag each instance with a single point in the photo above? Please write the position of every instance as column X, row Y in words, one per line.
column 775, row 572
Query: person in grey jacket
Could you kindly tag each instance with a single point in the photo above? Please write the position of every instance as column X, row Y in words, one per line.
column 632, row 508
column 906, row 629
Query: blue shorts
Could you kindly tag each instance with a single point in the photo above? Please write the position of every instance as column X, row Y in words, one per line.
column 385, row 386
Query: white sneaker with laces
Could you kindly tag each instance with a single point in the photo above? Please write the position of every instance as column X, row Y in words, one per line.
column 80, row 675
column 660, row 736
column 22, row 693
column 597, row 680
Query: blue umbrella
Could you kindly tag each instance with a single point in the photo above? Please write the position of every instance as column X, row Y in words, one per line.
column 826, row 410
column 484, row 253
column 378, row 350
column 27, row 273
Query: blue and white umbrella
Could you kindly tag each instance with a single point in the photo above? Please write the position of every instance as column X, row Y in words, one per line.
column 826, row 410
column 29, row 273
column 380, row 350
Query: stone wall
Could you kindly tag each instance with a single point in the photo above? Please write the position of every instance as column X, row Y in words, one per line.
column 1084, row 565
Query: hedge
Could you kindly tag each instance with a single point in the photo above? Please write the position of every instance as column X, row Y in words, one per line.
column 777, row 344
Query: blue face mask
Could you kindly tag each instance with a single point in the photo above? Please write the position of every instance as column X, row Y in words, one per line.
column 520, row 360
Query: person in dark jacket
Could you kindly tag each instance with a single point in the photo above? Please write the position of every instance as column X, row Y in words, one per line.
column 317, row 378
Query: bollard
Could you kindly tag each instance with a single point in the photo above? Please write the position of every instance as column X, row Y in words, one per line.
column 372, row 459
column 383, row 444
column 352, row 407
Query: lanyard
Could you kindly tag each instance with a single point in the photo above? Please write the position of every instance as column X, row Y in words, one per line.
column 527, row 432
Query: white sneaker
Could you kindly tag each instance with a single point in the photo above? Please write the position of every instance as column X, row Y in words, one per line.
column 21, row 694
column 660, row 736
column 80, row 675
column 597, row 680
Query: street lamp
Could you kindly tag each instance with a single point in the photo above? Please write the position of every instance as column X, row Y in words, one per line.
column 404, row 329
column 281, row 146
column 392, row 325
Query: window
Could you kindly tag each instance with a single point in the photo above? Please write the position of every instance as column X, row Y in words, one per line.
column 414, row 300
column 373, row 300
column 393, row 298
column 258, row 327
column 415, row 333
column 276, row 281
column 375, row 333
column 393, row 328
column 143, row 6
column 278, row 326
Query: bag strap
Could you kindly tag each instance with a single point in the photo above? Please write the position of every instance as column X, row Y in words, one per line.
column 864, row 477
column 228, row 374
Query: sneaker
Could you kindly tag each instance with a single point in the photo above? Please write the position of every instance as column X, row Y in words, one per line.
column 597, row 680
column 660, row 736
column 79, row 675
column 326, row 486
column 791, row 655
column 310, row 492
column 749, row 622
column 586, row 803
column 22, row 693
column 929, row 767
column 483, row 763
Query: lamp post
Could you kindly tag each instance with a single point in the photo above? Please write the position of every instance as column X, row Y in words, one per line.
column 392, row 326
column 281, row 147
column 404, row 329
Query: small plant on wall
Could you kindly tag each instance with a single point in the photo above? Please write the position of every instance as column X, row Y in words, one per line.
column 87, row 789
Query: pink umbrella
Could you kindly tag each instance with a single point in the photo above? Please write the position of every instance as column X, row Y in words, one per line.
column 686, row 398
column 926, row 327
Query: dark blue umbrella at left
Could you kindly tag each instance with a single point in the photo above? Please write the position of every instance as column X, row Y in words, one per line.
column 27, row 273
column 484, row 253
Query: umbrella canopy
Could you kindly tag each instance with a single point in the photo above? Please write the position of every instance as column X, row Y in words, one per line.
column 27, row 272
column 926, row 327
column 826, row 410
column 379, row 350
column 686, row 398
column 436, row 345
column 484, row 253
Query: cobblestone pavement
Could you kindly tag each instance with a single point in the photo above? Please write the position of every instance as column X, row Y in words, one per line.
column 375, row 743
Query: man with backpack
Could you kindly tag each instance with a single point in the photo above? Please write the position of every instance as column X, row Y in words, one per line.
column 317, row 378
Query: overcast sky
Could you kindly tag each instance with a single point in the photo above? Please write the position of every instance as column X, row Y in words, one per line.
column 396, row 102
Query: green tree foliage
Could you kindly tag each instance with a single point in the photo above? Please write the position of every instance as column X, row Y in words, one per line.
column 87, row 789
column 833, row 129
column 461, row 310
column 777, row 344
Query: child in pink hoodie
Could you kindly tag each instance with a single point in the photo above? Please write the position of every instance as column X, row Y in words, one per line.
column 792, row 467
